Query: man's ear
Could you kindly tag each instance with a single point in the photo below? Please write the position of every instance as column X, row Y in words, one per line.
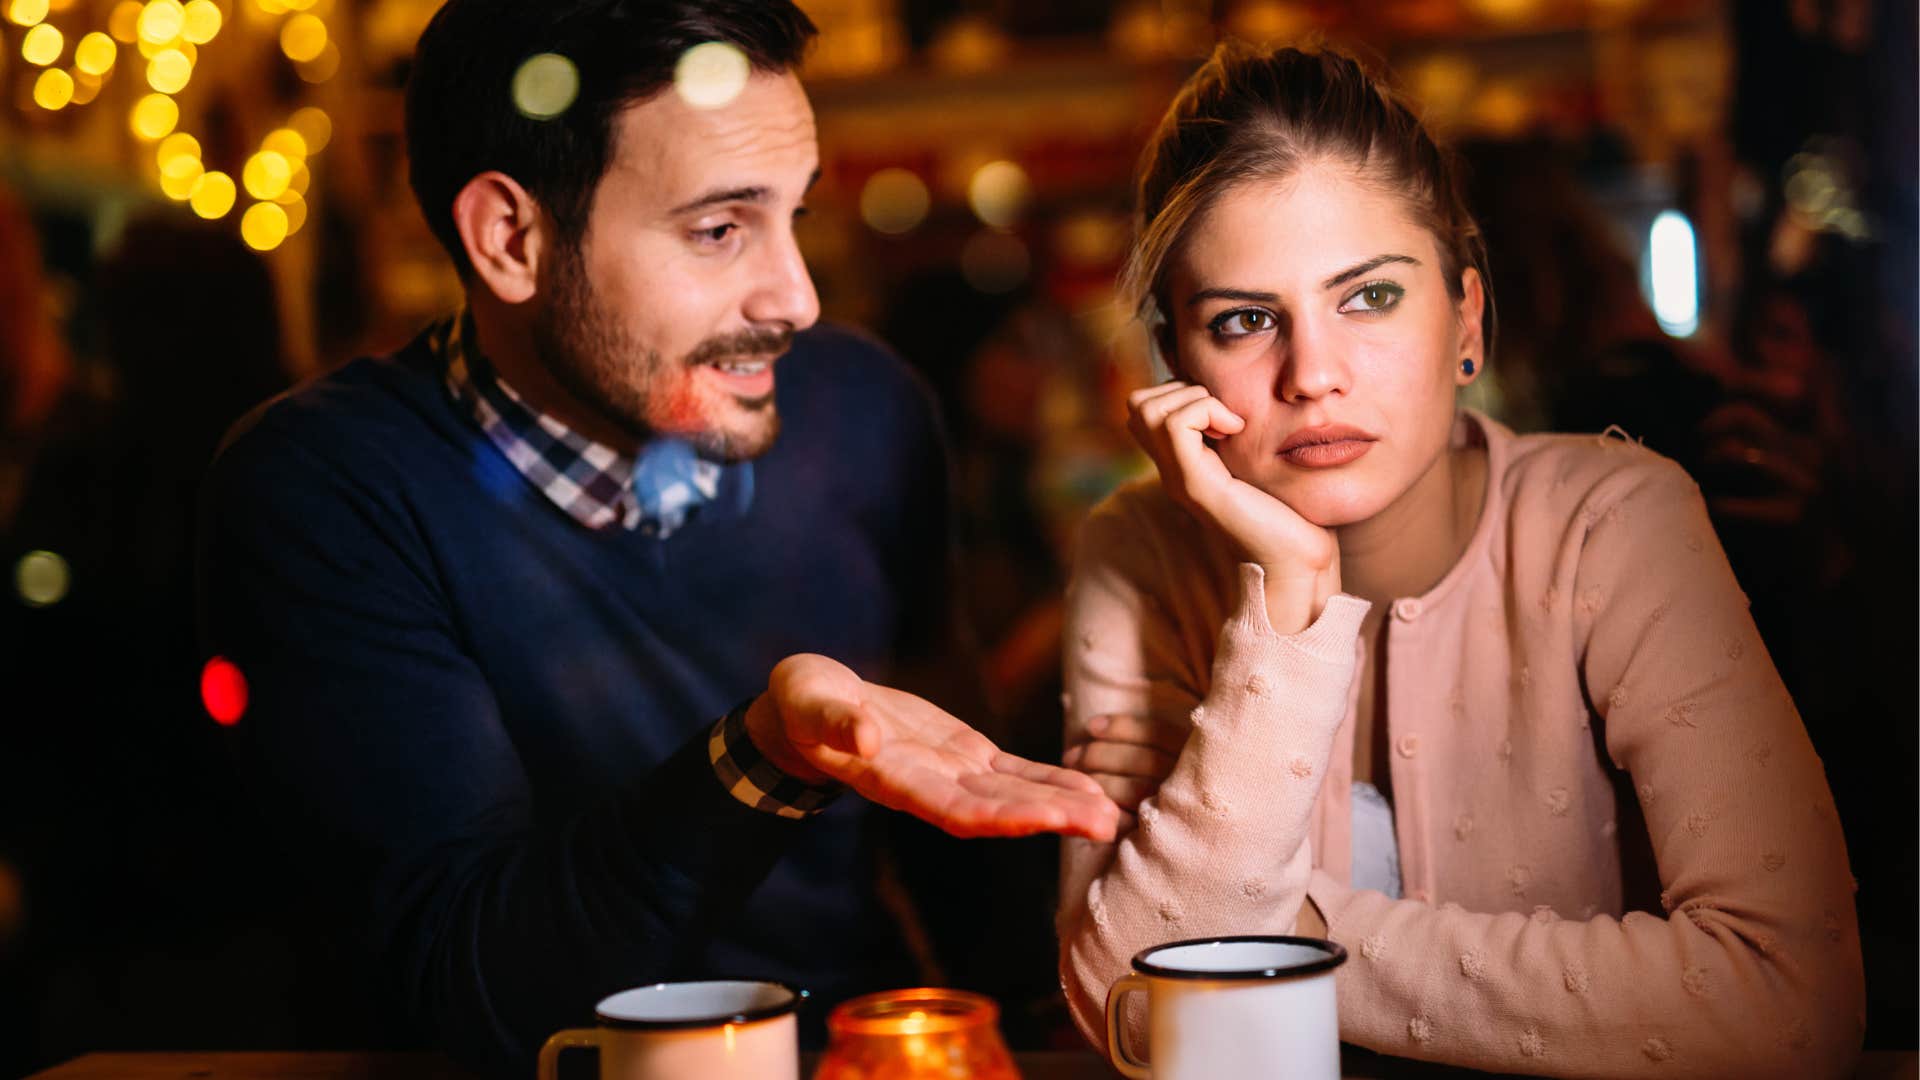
column 505, row 234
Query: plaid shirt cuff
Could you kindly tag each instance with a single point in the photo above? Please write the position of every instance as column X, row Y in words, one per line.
column 754, row 780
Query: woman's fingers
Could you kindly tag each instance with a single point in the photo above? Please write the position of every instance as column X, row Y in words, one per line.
column 1153, row 411
column 1141, row 729
column 1127, row 792
column 1124, row 759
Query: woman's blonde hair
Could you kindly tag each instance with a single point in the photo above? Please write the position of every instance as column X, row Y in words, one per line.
column 1249, row 115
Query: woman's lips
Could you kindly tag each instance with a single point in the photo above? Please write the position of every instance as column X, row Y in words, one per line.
column 1326, row 447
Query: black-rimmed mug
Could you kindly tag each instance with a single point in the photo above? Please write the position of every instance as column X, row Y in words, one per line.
column 1233, row 1007
column 721, row 1029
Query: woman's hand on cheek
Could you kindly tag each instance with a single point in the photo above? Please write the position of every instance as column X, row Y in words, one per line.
column 1172, row 422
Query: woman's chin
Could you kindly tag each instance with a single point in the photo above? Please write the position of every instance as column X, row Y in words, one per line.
column 1329, row 502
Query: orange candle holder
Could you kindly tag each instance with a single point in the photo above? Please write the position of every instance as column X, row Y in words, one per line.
column 916, row 1034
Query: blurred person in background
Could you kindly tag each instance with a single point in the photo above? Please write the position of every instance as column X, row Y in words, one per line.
column 1487, row 709
column 564, row 625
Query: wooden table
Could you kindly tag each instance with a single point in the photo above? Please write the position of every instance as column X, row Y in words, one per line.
column 1879, row 1065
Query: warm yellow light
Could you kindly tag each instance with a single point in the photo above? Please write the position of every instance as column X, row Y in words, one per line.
column 296, row 208
column 161, row 21
column 212, row 195
column 303, row 38
column 263, row 226
column 169, row 71
column 287, row 143
column 893, row 201
column 266, row 174
column 271, row 7
column 298, row 183
column 53, row 89
column 999, row 192
column 154, row 116
column 178, row 175
column 85, row 87
column 41, row 577
column 322, row 68
column 314, row 126
column 95, row 53
column 178, row 144
column 544, row 86
column 27, row 12
column 124, row 22
column 200, row 21
column 42, row 45
column 711, row 75
column 297, row 5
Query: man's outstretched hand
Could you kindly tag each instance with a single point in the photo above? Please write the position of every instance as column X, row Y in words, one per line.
column 819, row 721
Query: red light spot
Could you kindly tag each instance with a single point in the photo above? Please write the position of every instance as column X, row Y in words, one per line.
column 224, row 690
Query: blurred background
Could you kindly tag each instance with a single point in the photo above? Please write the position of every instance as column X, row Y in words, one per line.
column 1702, row 223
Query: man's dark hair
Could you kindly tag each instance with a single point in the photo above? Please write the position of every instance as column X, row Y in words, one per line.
column 462, row 119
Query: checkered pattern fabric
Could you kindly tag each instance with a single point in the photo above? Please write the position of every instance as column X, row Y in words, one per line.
column 753, row 779
column 593, row 483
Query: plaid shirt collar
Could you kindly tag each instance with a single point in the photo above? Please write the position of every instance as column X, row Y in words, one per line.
column 596, row 485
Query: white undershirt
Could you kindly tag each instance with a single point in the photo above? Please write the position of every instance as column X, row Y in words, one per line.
column 1376, row 856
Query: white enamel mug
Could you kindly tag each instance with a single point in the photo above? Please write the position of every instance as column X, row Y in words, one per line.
column 723, row 1029
column 1259, row 1008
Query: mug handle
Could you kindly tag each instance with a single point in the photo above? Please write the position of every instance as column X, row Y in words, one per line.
column 1128, row 1065
column 570, row 1039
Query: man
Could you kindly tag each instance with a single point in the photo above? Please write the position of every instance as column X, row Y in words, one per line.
column 559, row 623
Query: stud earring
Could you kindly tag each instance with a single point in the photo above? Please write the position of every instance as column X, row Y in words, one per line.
column 1466, row 366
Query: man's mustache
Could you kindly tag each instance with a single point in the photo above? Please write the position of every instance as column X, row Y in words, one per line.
column 748, row 343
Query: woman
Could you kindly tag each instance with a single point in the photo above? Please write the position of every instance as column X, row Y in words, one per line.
column 1345, row 594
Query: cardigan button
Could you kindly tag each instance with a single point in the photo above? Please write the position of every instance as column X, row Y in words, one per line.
column 1408, row 745
column 1407, row 609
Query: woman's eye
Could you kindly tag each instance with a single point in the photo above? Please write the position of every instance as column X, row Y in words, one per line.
column 714, row 234
column 1241, row 323
column 1374, row 296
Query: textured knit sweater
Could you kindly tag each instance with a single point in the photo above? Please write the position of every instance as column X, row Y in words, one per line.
column 1619, row 851
column 483, row 726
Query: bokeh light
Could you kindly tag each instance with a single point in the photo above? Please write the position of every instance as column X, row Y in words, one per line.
column 1672, row 273
column 213, row 195
column 545, row 85
column 178, row 144
column 27, row 12
column 303, row 38
column 169, row 71
column 711, row 75
column 200, row 21
column 295, row 208
column 298, row 183
column 894, row 201
column 999, row 193
column 994, row 262
column 154, row 116
column 263, row 226
column 124, row 22
column 178, row 175
column 42, row 45
column 266, row 174
column 322, row 67
column 53, row 90
column 42, row 578
column 85, row 87
column 95, row 54
column 223, row 690
column 161, row 21
column 314, row 126
column 287, row 143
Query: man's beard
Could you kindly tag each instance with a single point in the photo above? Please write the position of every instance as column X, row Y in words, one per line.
column 594, row 358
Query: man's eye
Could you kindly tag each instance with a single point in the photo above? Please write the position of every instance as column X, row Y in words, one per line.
column 1242, row 322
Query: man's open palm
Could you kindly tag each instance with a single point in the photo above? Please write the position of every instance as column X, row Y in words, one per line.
column 909, row 754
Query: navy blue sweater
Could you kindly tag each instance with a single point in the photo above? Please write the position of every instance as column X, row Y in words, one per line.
column 484, row 725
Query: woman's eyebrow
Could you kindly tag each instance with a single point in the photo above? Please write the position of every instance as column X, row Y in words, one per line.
column 1357, row 269
column 1233, row 294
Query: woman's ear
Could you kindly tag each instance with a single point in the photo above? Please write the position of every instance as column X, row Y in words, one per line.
column 1469, row 332
column 504, row 233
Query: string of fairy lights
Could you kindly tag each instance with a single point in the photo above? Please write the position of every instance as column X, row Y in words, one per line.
column 167, row 36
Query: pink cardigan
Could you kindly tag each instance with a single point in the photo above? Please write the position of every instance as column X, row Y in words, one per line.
column 1619, row 852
